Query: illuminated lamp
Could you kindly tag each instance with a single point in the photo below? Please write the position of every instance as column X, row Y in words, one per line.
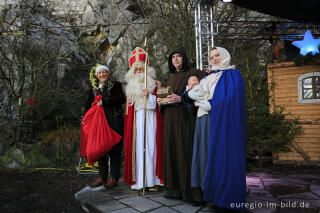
column 308, row 44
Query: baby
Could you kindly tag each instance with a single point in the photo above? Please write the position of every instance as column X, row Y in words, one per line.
column 197, row 94
column 193, row 81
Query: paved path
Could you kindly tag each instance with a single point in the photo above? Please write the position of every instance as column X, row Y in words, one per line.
column 266, row 193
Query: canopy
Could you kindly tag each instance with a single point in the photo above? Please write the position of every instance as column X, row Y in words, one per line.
column 296, row 10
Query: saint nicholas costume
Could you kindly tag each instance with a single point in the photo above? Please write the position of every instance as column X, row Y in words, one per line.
column 134, row 127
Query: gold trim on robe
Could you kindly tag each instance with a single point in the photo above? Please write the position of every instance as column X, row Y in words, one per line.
column 134, row 138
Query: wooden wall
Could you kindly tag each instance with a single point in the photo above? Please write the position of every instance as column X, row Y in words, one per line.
column 283, row 81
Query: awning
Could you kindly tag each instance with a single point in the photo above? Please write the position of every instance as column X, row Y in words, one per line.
column 296, row 10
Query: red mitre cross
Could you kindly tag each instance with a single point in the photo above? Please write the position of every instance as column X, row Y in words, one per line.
column 138, row 56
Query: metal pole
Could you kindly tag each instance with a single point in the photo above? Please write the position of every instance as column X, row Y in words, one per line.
column 197, row 34
column 145, row 120
column 200, row 36
column 212, row 31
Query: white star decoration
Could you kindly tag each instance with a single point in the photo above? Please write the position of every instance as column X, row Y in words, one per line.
column 308, row 44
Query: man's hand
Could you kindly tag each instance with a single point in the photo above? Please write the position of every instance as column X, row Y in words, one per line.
column 158, row 83
column 172, row 99
column 145, row 92
column 159, row 101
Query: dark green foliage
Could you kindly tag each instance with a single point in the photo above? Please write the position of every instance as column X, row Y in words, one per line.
column 59, row 148
column 307, row 59
column 271, row 132
column 267, row 132
column 64, row 146
column 37, row 156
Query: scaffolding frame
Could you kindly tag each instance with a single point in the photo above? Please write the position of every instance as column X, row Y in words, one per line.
column 204, row 30
column 208, row 29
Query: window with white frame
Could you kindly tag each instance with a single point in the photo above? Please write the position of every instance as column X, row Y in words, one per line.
column 309, row 88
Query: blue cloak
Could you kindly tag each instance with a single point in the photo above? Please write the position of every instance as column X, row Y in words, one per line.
column 225, row 183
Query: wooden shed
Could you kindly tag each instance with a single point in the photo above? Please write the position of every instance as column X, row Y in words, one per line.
column 298, row 89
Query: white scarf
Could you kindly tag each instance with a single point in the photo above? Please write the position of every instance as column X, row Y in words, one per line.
column 225, row 60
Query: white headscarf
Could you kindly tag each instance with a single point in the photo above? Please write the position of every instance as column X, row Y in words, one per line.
column 225, row 60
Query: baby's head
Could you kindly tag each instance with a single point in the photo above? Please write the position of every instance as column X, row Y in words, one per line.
column 192, row 81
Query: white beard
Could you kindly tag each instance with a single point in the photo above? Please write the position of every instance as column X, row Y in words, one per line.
column 135, row 86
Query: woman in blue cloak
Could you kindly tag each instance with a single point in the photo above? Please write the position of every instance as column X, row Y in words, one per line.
column 219, row 149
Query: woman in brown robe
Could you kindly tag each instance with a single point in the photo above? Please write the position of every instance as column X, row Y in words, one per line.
column 179, row 125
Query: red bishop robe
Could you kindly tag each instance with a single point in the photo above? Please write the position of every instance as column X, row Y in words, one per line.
column 130, row 143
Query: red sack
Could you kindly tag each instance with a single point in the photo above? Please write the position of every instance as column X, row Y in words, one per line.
column 100, row 137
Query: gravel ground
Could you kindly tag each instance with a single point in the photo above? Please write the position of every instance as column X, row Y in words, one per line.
column 41, row 191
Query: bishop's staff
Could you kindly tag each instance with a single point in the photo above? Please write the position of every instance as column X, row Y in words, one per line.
column 145, row 120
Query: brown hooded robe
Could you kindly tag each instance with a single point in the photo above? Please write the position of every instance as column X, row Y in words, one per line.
column 178, row 135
